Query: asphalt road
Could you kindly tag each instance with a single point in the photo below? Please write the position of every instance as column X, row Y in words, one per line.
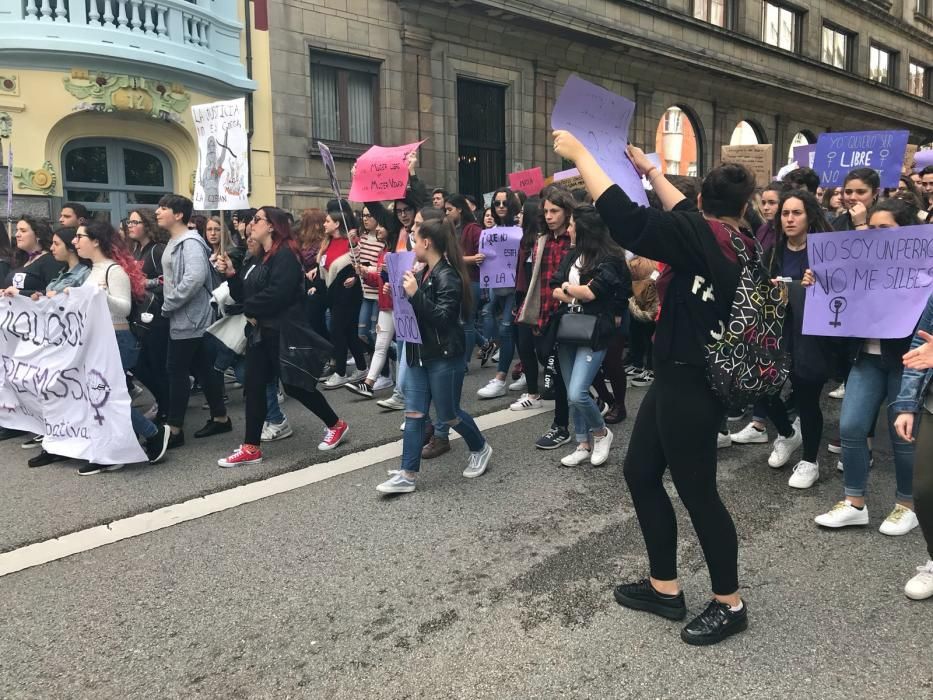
column 498, row 587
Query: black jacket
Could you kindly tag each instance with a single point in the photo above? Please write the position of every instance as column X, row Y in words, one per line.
column 437, row 305
column 269, row 289
column 610, row 282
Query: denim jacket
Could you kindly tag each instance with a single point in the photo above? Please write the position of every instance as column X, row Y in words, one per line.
column 915, row 382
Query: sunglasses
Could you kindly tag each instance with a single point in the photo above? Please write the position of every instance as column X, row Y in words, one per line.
column 501, row 203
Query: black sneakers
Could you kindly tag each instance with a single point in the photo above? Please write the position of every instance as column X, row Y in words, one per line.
column 213, row 427
column 714, row 624
column 175, row 439
column 641, row 595
column 158, row 444
column 44, row 458
column 553, row 438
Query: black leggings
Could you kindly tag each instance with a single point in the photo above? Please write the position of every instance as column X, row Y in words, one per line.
column 525, row 343
column 614, row 367
column 344, row 318
column 187, row 358
column 150, row 367
column 807, row 398
column 262, row 367
column 641, row 345
column 676, row 428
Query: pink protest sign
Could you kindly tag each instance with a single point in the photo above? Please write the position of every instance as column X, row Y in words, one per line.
column 381, row 173
column 528, row 181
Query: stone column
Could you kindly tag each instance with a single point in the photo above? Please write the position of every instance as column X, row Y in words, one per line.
column 545, row 94
column 418, row 103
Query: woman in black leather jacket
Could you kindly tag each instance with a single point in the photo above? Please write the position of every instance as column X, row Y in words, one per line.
column 440, row 297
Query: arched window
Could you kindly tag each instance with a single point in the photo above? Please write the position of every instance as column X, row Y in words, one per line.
column 746, row 133
column 801, row 138
column 676, row 142
column 112, row 177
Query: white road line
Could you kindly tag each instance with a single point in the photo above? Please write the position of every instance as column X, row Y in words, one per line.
column 91, row 538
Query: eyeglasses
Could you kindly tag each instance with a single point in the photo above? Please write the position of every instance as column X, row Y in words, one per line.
column 501, row 203
column 257, row 219
column 369, row 216
column 134, row 222
column 405, row 210
column 81, row 235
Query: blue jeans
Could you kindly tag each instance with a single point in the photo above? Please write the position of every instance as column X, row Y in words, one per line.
column 440, row 381
column 869, row 384
column 578, row 367
column 501, row 307
column 402, row 370
column 473, row 336
column 369, row 311
column 129, row 353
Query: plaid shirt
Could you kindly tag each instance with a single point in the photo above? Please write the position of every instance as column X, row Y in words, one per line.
column 554, row 251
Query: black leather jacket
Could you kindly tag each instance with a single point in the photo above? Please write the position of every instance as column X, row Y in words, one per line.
column 437, row 305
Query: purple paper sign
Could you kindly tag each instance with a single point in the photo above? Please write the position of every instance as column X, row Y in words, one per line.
column 600, row 120
column 406, row 323
column 923, row 159
column 330, row 167
column 870, row 284
column 804, row 155
column 839, row 153
column 500, row 246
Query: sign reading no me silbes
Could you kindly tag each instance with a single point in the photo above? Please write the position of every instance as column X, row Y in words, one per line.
column 870, row 284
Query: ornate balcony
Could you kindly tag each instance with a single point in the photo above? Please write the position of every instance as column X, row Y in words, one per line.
column 198, row 41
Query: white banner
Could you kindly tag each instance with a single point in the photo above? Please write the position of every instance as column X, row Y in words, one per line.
column 61, row 376
column 223, row 162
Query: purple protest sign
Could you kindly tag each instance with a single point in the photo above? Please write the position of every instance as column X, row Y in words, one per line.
column 838, row 153
column 406, row 323
column 804, row 155
column 870, row 284
column 923, row 159
column 330, row 167
column 600, row 120
column 500, row 246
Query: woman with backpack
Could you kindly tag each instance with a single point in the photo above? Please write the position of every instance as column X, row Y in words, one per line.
column 593, row 285
column 680, row 415
column 271, row 290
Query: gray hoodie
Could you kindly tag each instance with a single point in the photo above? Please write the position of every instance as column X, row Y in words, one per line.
column 188, row 282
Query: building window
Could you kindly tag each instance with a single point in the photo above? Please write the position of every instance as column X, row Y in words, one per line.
column 480, row 136
column 836, row 47
column 918, row 80
column 672, row 167
column 712, row 11
column 780, row 26
column 344, row 99
column 672, row 121
column 881, row 65
column 922, row 8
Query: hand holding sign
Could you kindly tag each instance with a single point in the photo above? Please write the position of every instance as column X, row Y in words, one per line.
column 498, row 253
column 406, row 324
column 382, row 172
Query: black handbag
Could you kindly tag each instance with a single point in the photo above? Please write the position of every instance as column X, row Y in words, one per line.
column 303, row 354
column 576, row 327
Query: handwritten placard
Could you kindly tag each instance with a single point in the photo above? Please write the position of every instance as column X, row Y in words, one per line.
column 500, row 246
column 570, row 179
column 870, row 284
column 600, row 120
column 381, row 173
column 528, row 181
column 406, row 323
column 839, row 153
column 756, row 157
column 223, row 155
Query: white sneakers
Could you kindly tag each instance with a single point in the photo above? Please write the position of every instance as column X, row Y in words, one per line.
column 750, row 435
column 335, row 380
column 723, row 440
column 383, row 383
column 276, row 431
column 784, row 447
column 479, row 462
column 494, row 389
column 526, row 402
column 920, row 587
column 900, row 521
column 597, row 456
column 805, row 475
column 519, row 384
column 839, row 393
column 843, row 514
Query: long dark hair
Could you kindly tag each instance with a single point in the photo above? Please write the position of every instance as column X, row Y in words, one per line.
column 281, row 222
column 560, row 197
column 459, row 202
column 531, row 224
column 444, row 239
column 43, row 231
column 340, row 211
column 154, row 232
column 903, row 211
column 114, row 248
column 816, row 220
column 593, row 241
column 512, row 207
column 383, row 217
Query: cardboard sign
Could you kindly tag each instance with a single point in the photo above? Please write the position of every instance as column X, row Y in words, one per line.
column 500, row 246
column 381, row 173
column 839, row 153
column 223, row 161
column 870, row 284
column 758, row 158
column 600, row 120
column 571, row 179
column 909, row 158
column 529, row 181
column 406, row 323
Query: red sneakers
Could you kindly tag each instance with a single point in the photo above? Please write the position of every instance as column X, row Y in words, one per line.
column 243, row 455
column 334, row 436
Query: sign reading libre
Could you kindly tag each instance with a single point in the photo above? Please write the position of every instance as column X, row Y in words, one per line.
column 838, row 153
column 500, row 246
column 381, row 173
column 870, row 284
column 406, row 323
column 62, row 378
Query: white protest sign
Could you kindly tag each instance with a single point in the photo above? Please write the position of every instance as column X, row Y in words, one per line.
column 61, row 376
column 223, row 163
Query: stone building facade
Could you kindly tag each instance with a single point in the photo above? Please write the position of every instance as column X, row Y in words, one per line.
column 478, row 78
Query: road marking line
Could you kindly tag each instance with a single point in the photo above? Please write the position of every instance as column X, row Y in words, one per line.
column 94, row 537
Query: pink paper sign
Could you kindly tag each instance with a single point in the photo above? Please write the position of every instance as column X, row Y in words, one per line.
column 528, row 181
column 381, row 173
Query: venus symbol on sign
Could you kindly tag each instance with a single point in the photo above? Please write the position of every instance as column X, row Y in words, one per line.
column 837, row 305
